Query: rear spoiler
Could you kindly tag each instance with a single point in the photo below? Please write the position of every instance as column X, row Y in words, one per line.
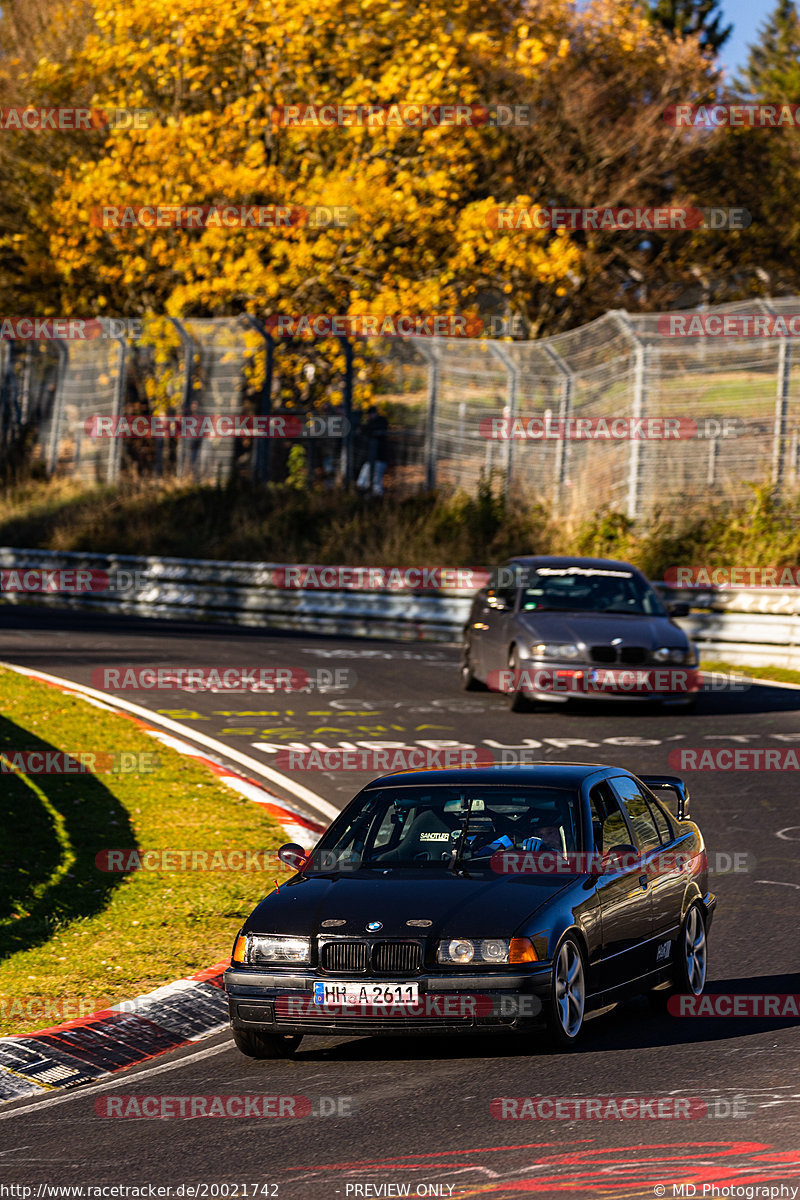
column 670, row 783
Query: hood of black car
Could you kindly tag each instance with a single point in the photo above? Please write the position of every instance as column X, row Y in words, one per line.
column 456, row 906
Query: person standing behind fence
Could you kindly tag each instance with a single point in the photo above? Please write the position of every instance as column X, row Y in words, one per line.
column 376, row 432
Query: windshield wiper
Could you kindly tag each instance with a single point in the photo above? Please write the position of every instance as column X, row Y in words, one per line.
column 462, row 841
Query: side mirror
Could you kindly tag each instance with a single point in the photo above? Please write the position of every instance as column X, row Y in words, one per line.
column 293, row 856
column 679, row 609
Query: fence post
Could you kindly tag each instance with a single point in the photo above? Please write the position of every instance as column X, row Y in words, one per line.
column 262, row 445
column 639, row 409
column 781, row 404
column 188, row 369
column 793, row 446
column 564, row 413
column 711, row 476
column 58, row 406
column 25, row 388
column 346, row 460
column 512, row 370
column 115, row 450
column 781, row 413
column 10, row 416
column 431, row 448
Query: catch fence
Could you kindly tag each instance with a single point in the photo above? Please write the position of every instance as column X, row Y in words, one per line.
column 616, row 414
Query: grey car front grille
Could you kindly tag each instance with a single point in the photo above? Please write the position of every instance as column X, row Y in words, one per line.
column 631, row 656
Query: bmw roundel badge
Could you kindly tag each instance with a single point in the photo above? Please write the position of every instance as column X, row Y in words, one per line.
column 374, row 926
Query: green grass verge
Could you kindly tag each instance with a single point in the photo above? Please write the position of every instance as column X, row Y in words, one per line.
column 776, row 674
column 71, row 933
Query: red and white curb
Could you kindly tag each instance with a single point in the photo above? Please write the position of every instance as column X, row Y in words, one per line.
column 83, row 1050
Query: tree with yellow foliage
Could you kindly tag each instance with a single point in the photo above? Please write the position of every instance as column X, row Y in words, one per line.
column 594, row 82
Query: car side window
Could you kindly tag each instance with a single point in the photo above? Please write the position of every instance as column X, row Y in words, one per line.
column 660, row 817
column 645, row 831
column 608, row 823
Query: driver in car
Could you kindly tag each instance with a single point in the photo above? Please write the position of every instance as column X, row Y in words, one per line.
column 547, row 837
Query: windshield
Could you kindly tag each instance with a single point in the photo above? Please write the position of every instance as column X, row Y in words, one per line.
column 415, row 827
column 589, row 589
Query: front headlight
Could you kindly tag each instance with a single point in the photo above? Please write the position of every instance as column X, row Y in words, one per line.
column 459, row 952
column 670, row 654
column 271, row 948
column 555, row 650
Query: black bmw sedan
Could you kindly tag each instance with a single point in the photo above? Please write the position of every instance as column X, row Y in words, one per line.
column 558, row 629
column 493, row 899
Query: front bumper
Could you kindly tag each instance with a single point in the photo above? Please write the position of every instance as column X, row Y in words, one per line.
column 559, row 682
column 492, row 1003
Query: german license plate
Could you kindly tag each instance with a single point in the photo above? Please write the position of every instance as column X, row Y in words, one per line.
column 366, row 993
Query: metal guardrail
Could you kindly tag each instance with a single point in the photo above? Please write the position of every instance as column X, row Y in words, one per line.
column 754, row 627
column 239, row 593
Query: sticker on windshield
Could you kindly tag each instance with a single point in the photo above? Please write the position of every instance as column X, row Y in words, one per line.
column 583, row 571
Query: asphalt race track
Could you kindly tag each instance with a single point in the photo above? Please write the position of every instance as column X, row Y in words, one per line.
column 415, row 1113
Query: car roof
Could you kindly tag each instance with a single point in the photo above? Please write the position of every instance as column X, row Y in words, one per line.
column 571, row 560
column 544, row 774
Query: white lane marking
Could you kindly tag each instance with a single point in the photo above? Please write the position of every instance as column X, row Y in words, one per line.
column 227, row 752
column 116, row 1081
column 166, row 739
column 777, row 883
column 783, row 833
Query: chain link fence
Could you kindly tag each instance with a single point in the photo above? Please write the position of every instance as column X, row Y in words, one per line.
column 535, row 414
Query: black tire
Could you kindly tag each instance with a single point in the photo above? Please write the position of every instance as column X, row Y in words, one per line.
column 266, row 1045
column 690, row 968
column 516, row 699
column 565, row 1007
column 468, row 681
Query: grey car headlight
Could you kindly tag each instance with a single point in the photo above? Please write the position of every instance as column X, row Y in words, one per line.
column 271, row 948
column 671, row 654
column 555, row 650
column 485, row 952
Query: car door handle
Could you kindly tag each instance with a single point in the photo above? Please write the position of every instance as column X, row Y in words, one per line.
column 643, row 882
